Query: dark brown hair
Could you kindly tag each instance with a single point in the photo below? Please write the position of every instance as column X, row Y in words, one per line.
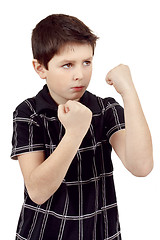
column 56, row 30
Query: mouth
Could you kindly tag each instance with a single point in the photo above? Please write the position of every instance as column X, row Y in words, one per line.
column 78, row 89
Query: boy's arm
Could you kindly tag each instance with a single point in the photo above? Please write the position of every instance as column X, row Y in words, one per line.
column 133, row 145
column 42, row 178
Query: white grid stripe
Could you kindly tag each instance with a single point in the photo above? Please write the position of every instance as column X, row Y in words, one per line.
column 79, row 170
column 33, row 223
column 67, row 217
column 45, row 219
column 63, row 222
column 95, row 180
column 103, row 180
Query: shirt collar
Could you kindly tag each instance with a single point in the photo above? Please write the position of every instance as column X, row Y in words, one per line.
column 44, row 101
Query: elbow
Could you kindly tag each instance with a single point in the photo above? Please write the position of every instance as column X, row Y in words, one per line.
column 142, row 173
column 39, row 191
column 37, row 200
column 143, row 169
column 147, row 171
column 38, row 196
column 35, row 194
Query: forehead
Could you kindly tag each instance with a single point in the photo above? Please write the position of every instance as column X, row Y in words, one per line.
column 75, row 50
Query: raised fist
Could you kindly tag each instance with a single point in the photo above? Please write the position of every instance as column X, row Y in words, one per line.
column 75, row 117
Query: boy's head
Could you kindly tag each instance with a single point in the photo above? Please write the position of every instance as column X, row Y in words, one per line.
column 54, row 32
column 63, row 49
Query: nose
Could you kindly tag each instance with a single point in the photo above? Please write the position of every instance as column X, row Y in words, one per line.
column 78, row 74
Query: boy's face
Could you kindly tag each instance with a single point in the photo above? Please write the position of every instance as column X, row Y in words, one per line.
column 69, row 72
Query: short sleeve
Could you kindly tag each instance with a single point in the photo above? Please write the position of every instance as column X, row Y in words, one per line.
column 114, row 116
column 27, row 131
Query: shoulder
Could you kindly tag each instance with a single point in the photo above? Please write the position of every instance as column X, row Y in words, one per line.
column 27, row 107
column 105, row 100
column 97, row 103
column 32, row 105
column 25, row 113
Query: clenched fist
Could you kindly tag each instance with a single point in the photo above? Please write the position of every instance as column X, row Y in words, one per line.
column 75, row 117
column 120, row 78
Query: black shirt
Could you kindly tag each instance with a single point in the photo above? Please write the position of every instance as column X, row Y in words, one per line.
column 84, row 207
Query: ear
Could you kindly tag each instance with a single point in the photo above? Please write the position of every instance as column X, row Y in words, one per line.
column 39, row 68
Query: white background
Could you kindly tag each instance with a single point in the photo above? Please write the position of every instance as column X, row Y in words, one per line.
column 129, row 33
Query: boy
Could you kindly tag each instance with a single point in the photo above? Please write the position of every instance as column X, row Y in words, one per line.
column 63, row 139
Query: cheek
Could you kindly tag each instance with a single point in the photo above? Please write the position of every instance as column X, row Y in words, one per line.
column 54, row 78
column 61, row 75
column 88, row 74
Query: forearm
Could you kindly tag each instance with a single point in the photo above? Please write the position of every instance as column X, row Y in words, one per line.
column 48, row 176
column 138, row 143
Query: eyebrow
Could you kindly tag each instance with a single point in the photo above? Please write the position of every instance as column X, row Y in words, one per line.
column 70, row 60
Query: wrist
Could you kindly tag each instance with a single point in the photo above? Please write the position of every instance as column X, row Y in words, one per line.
column 73, row 136
column 129, row 93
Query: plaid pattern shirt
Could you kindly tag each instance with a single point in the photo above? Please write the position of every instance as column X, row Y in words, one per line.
column 84, row 207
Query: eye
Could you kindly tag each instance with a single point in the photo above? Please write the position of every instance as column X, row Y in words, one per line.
column 67, row 66
column 87, row 63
